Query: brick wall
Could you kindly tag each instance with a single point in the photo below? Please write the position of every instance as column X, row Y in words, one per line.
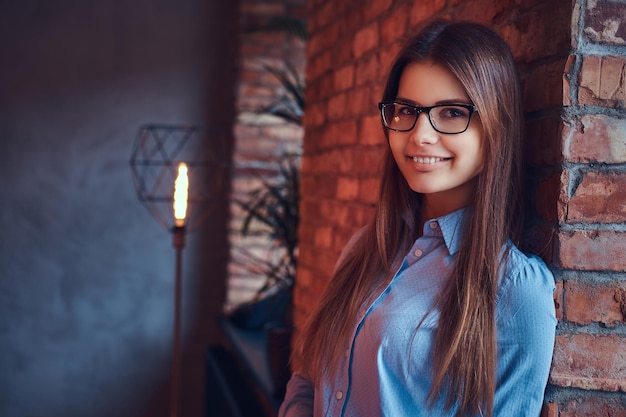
column 259, row 138
column 572, row 61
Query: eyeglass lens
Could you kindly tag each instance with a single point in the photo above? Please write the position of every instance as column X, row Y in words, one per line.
column 444, row 118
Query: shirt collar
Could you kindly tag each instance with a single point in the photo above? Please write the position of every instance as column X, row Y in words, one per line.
column 451, row 226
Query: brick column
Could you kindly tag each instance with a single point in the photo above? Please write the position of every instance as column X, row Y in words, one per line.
column 589, row 367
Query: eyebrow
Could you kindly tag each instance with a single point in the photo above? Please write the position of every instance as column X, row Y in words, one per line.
column 448, row 101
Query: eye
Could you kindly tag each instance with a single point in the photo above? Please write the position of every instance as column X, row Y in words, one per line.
column 405, row 111
column 452, row 112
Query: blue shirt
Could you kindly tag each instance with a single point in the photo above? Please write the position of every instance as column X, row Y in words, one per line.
column 387, row 368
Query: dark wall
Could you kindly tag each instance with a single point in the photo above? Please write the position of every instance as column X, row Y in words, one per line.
column 86, row 274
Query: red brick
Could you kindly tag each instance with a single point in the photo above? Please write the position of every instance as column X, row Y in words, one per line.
column 367, row 70
column 596, row 138
column 320, row 15
column 592, row 250
column 360, row 215
column 393, row 27
column 591, row 362
column 513, row 37
column 484, row 14
column 371, row 131
column 559, row 300
column 250, row 49
column 335, row 212
column 593, row 407
column 568, row 77
column 602, row 81
column 319, row 89
column 306, row 233
column 550, row 410
column 309, row 209
column 339, row 133
column 249, row 90
column 323, row 186
column 318, row 259
column 369, row 159
column 332, row 161
column 344, row 78
column 422, row 10
column 341, row 53
column 337, row 107
column 605, row 22
column 386, row 58
column 315, row 115
column 323, row 40
column 601, row 303
column 345, row 214
column 376, row 94
column 359, row 102
column 563, row 199
column 266, row 38
column 374, row 8
column 283, row 131
column 347, row 188
column 317, row 66
column 323, row 237
column 599, row 198
column 352, row 21
column 365, row 40
column 368, row 190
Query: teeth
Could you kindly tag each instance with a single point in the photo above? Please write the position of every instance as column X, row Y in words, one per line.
column 426, row 160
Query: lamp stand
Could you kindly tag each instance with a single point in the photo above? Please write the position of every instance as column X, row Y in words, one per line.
column 178, row 243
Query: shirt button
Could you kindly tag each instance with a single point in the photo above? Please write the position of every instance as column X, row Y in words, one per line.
column 433, row 225
column 418, row 253
column 339, row 395
column 347, row 352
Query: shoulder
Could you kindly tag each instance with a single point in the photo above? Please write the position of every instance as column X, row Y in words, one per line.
column 526, row 288
column 522, row 269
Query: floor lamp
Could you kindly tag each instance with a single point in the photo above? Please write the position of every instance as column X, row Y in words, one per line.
column 178, row 172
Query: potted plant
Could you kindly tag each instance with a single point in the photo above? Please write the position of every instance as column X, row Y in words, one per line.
column 273, row 209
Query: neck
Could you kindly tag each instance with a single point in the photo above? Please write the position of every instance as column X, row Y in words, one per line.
column 442, row 203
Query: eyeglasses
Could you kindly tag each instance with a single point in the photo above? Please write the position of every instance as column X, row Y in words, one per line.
column 444, row 118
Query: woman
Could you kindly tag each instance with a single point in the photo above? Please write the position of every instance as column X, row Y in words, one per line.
column 432, row 310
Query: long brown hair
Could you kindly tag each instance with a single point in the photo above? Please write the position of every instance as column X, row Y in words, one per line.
column 464, row 359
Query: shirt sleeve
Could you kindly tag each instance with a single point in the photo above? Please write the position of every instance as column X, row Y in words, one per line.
column 525, row 326
column 299, row 397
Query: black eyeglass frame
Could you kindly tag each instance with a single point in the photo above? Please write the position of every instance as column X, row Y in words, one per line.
column 470, row 107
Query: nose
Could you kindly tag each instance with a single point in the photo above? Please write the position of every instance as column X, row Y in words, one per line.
column 423, row 132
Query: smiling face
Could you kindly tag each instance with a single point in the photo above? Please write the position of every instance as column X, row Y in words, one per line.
column 442, row 167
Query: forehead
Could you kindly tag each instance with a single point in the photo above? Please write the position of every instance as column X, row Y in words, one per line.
column 427, row 83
